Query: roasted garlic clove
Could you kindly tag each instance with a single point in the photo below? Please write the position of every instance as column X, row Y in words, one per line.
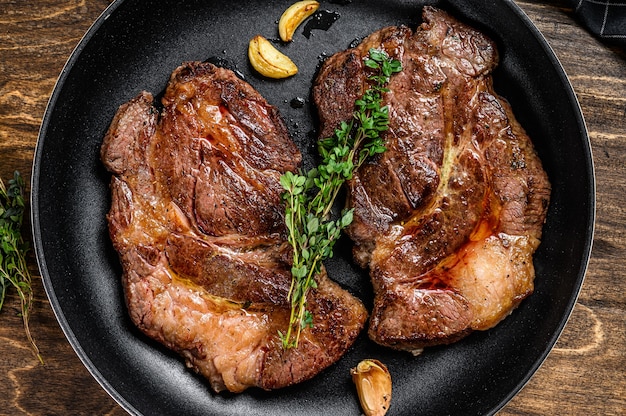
column 373, row 385
column 294, row 16
column 268, row 61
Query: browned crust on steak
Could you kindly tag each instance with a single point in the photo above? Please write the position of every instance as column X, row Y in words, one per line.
column 197, row 221
column 447, row 219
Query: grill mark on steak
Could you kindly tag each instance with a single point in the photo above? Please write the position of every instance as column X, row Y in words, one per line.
column 197, row 221
column 447, row 219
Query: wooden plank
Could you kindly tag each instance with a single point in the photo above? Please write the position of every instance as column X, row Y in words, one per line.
column 584, row 374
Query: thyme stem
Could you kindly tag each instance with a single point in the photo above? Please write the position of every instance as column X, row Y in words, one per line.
column 13, row 267
column 309, row 196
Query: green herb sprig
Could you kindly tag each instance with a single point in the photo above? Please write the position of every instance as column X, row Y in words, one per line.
column 13, row 267
column 309, row 196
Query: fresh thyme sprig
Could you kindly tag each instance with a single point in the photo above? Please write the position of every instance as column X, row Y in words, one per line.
column 309, row 196
column 13, row 267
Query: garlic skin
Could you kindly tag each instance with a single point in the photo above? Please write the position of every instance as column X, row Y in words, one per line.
column 294, row 16
column 268, row 61
column 373, row 385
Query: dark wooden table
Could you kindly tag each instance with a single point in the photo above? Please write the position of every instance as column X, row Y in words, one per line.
column 585, row 374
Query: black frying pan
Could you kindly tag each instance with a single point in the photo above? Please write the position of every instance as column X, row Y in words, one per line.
column 135, row 45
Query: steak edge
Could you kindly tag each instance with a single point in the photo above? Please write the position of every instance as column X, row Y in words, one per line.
column 197, row 221
column 448, row 218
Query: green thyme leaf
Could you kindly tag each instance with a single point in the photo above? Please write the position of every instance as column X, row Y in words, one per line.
column 13, row 250
column 309, row 196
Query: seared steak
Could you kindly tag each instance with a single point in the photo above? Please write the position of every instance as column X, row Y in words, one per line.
column 447, row 220
column 197, row 220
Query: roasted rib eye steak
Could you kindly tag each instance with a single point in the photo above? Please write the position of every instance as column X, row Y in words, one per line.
column 197, row 220
column 447, row 220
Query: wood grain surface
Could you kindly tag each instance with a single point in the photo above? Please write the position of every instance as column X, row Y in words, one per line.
column 585, row 374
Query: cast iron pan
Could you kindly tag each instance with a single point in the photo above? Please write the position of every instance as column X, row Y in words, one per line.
column 134, row 46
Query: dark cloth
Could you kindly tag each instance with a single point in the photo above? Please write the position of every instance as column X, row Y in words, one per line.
column 604, row 18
